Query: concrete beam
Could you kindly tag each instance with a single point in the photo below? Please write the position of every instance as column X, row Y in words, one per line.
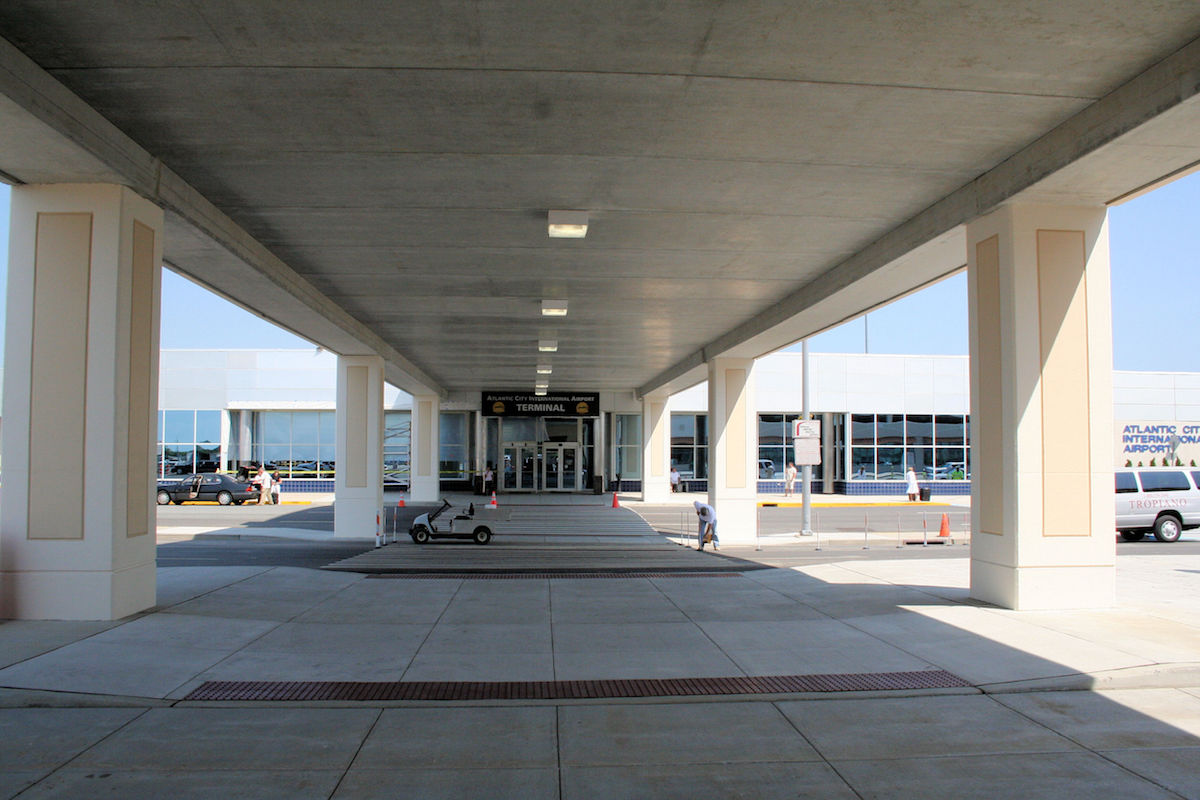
column 1164, row 87
column 44, row 120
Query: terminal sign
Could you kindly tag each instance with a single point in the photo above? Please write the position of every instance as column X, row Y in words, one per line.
column 806, row 442
column 518, row 404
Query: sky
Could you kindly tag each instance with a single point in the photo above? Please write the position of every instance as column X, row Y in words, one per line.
column 1155, row 248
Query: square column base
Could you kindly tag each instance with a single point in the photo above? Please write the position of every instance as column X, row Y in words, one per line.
column 78, row 595
column 355, row 518
column 737, row 520
column 1050, row 588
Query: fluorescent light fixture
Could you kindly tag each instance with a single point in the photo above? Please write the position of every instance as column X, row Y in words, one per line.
column 554, row 308
column 568, row 224
column 539, row 392
column 544, row 369
column 547, row 345
column 541, row 385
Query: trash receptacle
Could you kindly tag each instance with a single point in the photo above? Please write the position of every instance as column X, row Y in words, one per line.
column 598, row 484
column 926, row 493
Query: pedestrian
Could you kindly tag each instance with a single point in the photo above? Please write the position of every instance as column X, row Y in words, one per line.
column 489, row 479
column 789, row 478
column 707, row 530
column 263, row 481
column 674, row 480
column 275, row 488
column 912, row 488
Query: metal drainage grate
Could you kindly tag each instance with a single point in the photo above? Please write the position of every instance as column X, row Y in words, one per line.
column 482, row 576
column 365, row 691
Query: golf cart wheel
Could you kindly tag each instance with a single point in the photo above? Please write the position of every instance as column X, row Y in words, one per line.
column 420, row 535
column 163, row 498
column 1133, row 536
column 1167, row 528
column 482, row 535
column 224, row 498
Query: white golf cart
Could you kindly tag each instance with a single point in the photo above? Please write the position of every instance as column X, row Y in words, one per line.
column 462, row 525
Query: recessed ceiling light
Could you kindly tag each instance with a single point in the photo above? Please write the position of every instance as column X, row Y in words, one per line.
column 568, row 224
column 547, row 345
column 554, row 308
column 544, row 369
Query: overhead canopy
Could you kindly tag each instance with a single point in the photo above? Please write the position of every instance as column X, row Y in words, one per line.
column 378, row 177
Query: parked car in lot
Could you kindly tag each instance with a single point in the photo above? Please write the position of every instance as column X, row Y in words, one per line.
column 1164, row 501
column 212, row 487
column 766, row 468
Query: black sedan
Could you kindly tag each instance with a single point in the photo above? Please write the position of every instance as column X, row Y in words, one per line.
column 223, row 489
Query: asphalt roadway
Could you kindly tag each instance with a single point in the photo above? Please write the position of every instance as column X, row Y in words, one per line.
column 889, row 528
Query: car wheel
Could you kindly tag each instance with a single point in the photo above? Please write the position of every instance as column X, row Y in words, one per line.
column 178, row 502
column 1167, row 528
column 163, row 498
column 482, row 535
column 420, row 535
column 1133, row 536
column 224, row 498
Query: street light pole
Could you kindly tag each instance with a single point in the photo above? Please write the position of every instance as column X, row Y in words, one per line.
column 806, row 470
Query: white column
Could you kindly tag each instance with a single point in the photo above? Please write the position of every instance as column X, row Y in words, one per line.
column 733, row 449
column 1041, row 408
column 656, row 448
column 358, row 486
column 424, row 449
column 80, row 394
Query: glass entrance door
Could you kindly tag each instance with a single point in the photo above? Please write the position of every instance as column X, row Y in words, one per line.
column 560, row 467
column 518, row 471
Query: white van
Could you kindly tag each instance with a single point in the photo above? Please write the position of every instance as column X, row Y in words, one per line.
column 1164, row 501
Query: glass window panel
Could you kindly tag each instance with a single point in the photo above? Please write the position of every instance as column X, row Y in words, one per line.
column 921, row 460
column 208, row 458
column 396, row 428
column 274, row 427
column 949, row 429
column 770, row 429
column 862, row 431
column 950, row 463
column 304, row 460
column 562, row 430
column 160, row 426
column 918, row 429
column 180, row 426
column 701, row 429
column 629, row 463
column 771, row 462
column 276, row 456
column 177, row 459
column 889, row 429
column 702, row 462
column 862, row 463
column 1126, row 483
column 629, row 430
column 517, row 429
column 327, row 427
column 305, row 427
column 327, row 463
column 683, row 429
column 452, row 428
column 208, row 426
column 684, row 460
column 889, row 463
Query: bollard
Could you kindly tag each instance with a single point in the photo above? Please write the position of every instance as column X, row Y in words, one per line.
column 925, row 526
column 899, row 538
column 757, row 526
column 866, row 524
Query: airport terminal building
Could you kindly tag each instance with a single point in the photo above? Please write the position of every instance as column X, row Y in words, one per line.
column 878, row 415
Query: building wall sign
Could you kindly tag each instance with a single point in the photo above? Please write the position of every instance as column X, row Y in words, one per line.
column 1139, row 442
column 517, row 404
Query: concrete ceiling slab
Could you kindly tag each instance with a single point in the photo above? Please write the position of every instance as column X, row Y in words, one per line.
column 753, row 173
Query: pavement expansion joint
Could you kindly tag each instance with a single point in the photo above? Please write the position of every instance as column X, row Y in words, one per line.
column 390, row 691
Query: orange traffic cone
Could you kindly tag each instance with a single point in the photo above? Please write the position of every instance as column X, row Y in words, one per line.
column 944, row 533
column 492, row 502
column 615, row 503
column 400, row 503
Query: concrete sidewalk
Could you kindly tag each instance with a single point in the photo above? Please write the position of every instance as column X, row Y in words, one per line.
column 1086, row 703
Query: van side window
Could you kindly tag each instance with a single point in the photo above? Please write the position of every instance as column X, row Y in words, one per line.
column 1164, row 481
column 1126, row 482
column 1196, row 476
